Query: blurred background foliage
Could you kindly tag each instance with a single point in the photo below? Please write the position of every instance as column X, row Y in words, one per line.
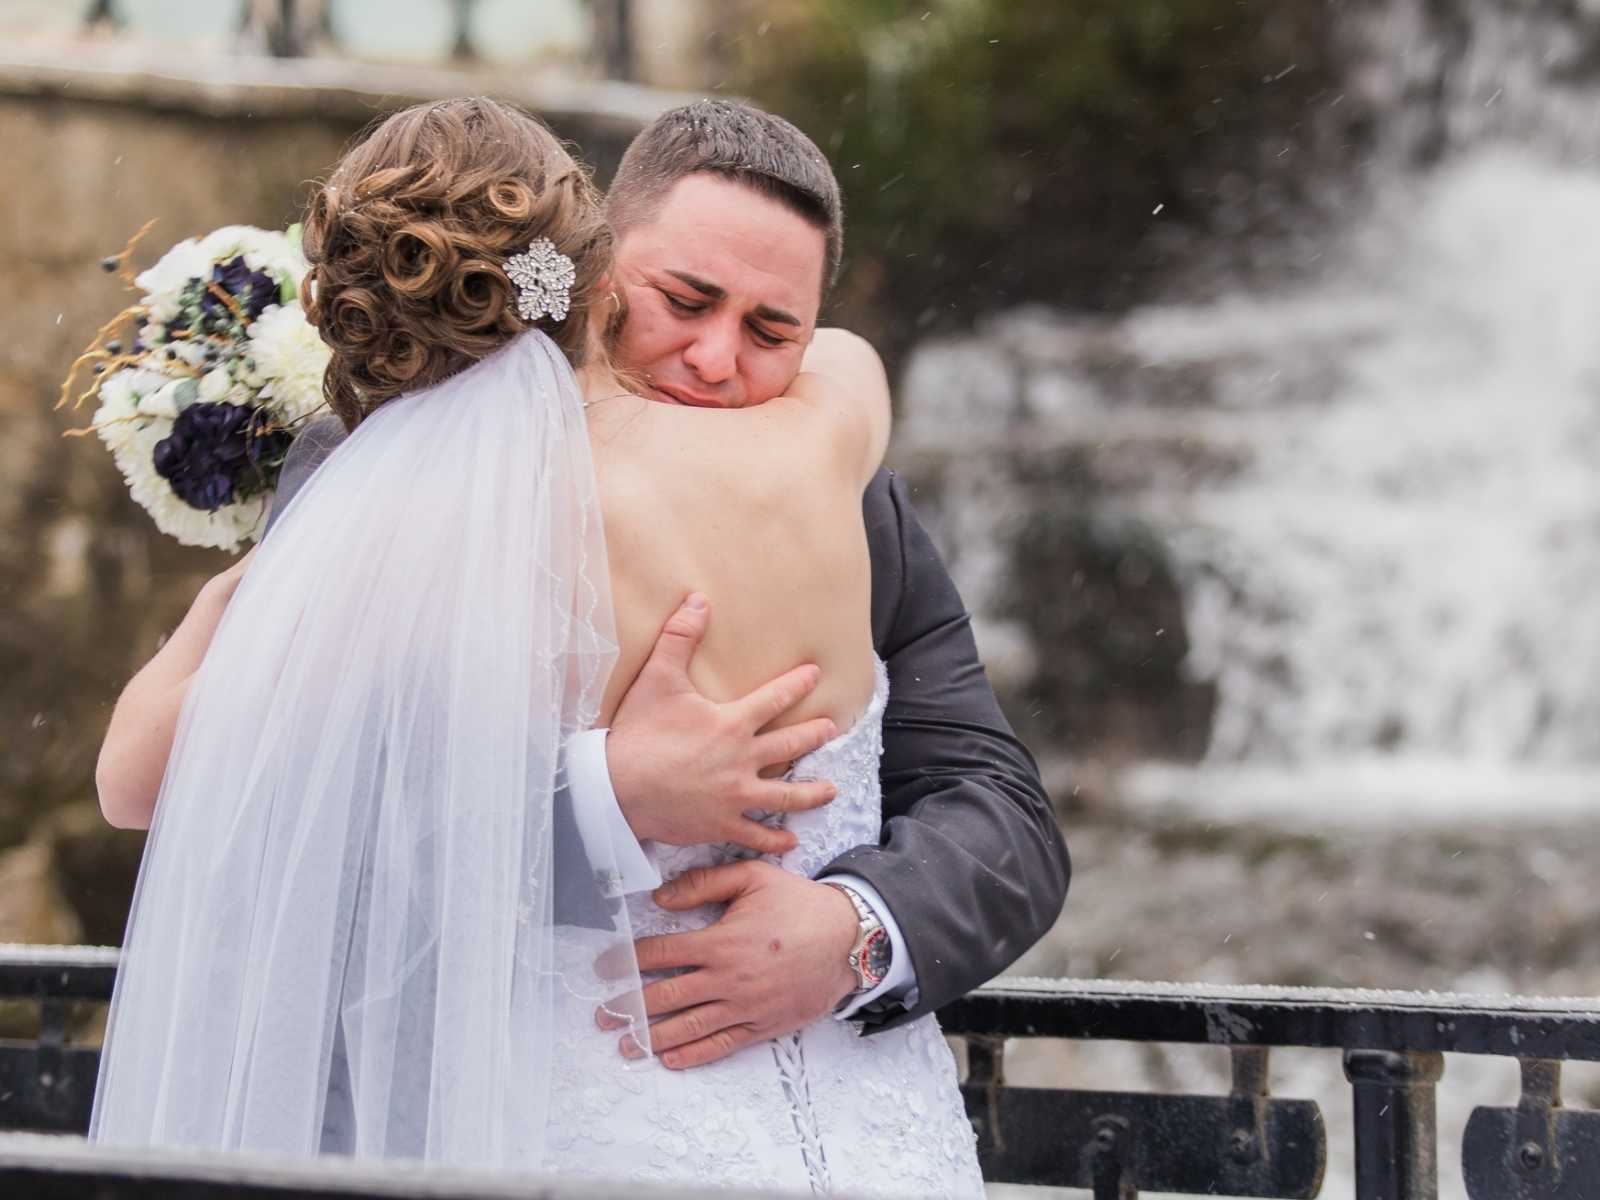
column 994, row 152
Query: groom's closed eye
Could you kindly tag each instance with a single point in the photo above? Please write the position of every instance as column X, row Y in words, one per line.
column 678, row 304
column 691, row 308
column 710, row 293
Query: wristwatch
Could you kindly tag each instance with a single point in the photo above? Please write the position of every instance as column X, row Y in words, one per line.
column 870, row 955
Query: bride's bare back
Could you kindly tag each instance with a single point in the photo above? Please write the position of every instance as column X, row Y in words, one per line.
column 758, row 509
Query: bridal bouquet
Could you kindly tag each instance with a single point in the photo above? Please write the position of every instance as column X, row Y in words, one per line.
column 219, row 372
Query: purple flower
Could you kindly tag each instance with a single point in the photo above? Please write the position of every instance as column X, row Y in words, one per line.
column 252, row 290
column 216, row 452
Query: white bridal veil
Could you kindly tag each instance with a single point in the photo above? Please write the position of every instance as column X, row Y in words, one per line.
column 358, row 912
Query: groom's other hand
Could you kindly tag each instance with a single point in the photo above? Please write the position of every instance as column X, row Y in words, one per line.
column 686, row 770
column 777, row 960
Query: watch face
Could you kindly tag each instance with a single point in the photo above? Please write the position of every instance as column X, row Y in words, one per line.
column 875, row 956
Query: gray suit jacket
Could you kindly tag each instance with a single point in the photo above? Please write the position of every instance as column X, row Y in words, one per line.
column 970, row 860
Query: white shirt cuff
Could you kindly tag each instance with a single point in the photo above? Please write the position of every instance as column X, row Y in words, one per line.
column 900, row 984
column 604, row 830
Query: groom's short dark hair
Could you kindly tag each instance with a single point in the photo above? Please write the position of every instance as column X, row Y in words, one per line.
column 735, row 141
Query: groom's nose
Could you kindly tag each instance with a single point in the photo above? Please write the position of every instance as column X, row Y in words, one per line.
column 714, row 353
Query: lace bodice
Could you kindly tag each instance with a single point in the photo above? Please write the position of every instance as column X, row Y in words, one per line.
column 820, row 1110
column 850, row 763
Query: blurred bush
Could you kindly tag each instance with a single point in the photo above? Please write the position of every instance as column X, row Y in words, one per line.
column 995, row 152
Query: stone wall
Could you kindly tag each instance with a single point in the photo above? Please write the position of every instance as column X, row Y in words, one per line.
column 88, row 588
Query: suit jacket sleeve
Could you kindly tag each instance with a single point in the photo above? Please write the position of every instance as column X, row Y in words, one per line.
column 971, row 860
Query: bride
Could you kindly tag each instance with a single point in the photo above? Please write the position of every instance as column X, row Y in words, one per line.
column 357, row 926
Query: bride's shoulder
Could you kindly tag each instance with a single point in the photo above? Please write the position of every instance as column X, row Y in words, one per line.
column 830, row 427
column 839, row 403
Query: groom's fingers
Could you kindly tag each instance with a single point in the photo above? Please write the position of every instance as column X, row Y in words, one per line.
column 783, row 746
column 782, row 797
column 708, row 1049
column 694, row 1037
column 696, row 1024
column 763, row 839
column 701, row 885
column 771, row 700
column 664, row 997
column 679, row 992
column 668, row 950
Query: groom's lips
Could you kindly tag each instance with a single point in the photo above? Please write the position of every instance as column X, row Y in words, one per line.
column 686, row 399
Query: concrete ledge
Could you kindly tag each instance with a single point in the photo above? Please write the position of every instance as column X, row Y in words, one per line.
column 226, row 85
column 37, row 1165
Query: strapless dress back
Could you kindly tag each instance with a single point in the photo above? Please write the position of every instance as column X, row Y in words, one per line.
column 819, row 1111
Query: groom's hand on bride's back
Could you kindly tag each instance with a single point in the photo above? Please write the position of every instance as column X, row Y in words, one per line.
column 686, row 770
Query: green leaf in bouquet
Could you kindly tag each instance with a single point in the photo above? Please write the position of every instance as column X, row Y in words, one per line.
column 295, row 233
column 288, row 289
column 185, row 393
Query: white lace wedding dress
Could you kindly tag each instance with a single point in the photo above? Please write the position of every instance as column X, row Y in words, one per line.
column 819, row 1111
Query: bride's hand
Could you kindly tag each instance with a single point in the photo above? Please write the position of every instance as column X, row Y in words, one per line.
column 686, row 770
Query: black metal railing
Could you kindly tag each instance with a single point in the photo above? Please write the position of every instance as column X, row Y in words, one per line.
column 290, row 28
column 1244, row 1143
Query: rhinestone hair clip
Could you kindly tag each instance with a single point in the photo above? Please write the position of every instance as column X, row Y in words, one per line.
column 544, row 277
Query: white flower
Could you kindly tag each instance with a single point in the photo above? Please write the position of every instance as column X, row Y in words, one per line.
column 191, row 351
column 116, row 418
column 263, row 249
column 119, row 395
column 223, row 243
column 290, row 358
column 214, row 386
column 246, row 372
column 163, row 402
column 162, row 309
column 185, row 261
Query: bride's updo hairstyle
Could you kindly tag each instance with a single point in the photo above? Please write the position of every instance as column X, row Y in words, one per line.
column 408, row 239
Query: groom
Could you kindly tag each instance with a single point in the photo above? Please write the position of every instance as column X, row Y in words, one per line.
column 970, row 868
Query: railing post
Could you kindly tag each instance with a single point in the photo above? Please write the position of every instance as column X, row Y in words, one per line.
column 463, row 48
column 284, row 41
column 613, row 29
column 986, row 1068
column 1249, row 1089
column 1397, row 1151
column 1110, row 1154
column 1536, row 1109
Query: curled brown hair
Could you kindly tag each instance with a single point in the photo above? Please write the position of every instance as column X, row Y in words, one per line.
column 408, row 238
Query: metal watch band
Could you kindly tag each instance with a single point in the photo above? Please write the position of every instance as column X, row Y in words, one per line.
column 872, row 940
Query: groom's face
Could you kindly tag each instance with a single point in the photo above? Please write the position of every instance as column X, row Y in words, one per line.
column 722, row 290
